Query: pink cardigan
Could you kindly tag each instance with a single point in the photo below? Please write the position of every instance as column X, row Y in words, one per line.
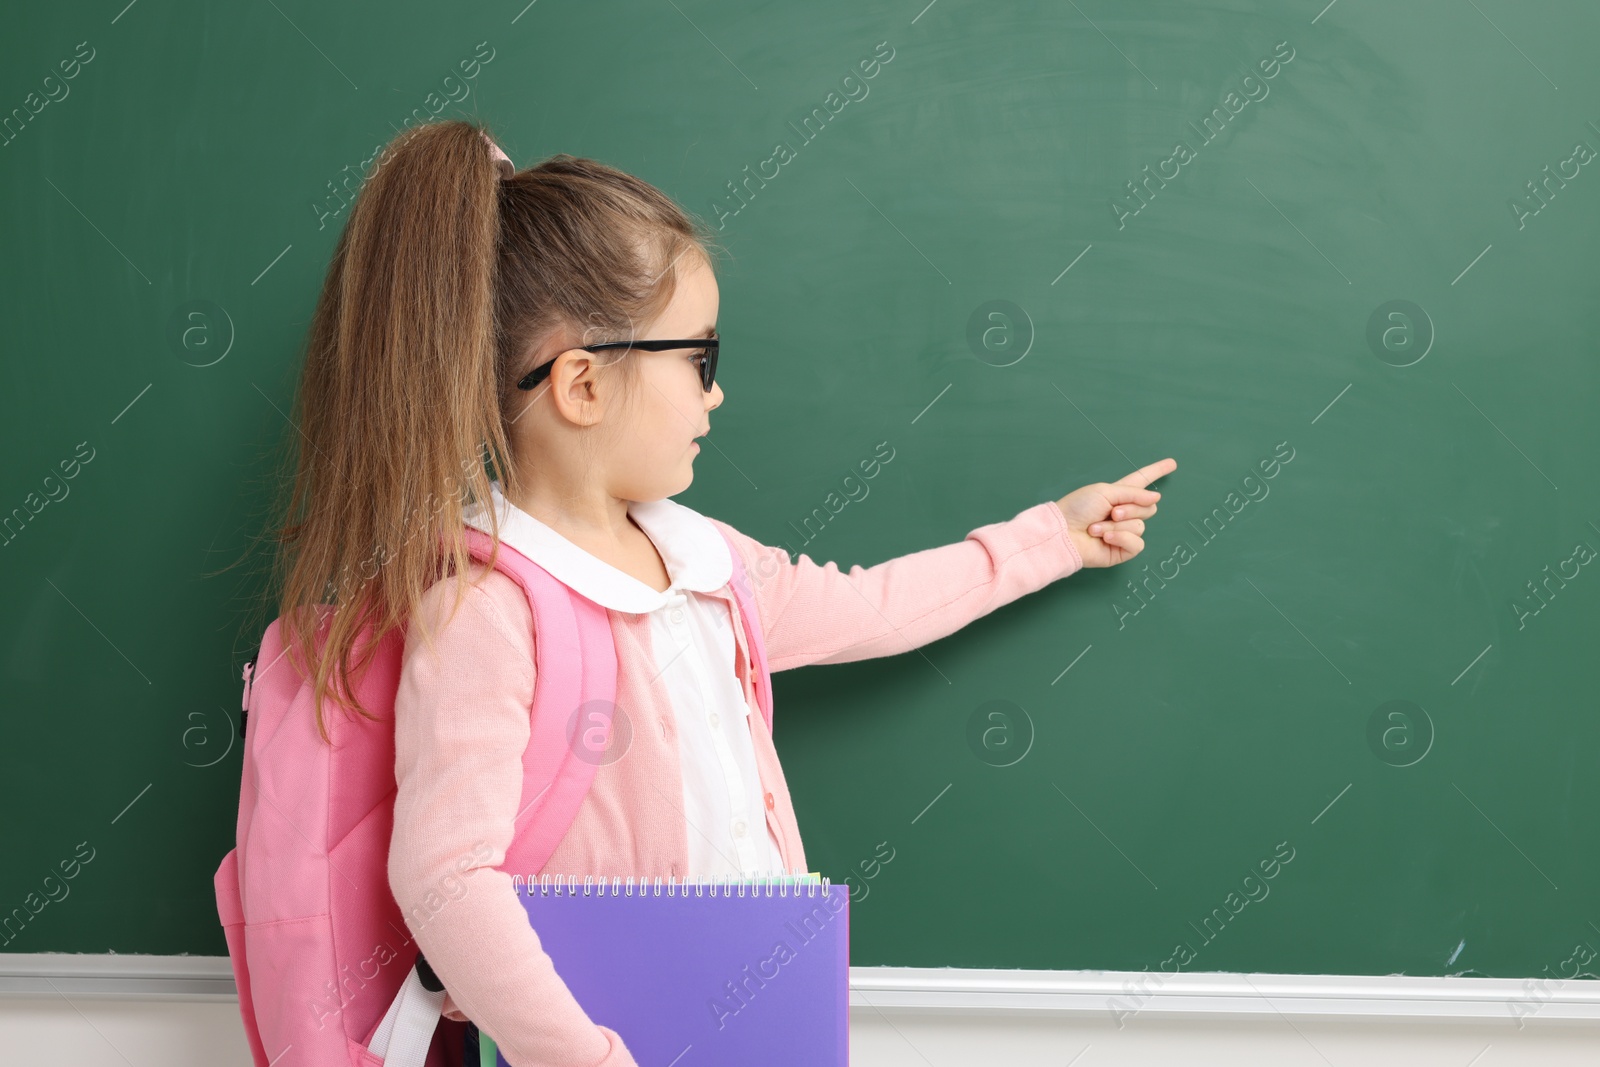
column 461, row 725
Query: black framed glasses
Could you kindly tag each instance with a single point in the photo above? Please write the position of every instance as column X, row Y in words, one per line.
column 707, row 345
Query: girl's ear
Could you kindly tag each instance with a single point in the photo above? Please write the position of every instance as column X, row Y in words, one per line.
column 574, row 387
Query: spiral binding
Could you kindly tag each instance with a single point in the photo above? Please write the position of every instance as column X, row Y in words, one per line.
column 729, row 886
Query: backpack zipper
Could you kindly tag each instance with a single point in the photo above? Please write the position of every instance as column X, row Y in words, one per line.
column 249, row 682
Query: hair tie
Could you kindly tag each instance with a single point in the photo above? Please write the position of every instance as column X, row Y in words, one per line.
column 507, row 168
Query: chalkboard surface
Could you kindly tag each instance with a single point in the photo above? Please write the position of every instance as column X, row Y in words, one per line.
column 1340, row 715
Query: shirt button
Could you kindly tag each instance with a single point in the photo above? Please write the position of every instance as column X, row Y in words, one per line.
column 714, row 719
column 738, row 828
column 677, row 615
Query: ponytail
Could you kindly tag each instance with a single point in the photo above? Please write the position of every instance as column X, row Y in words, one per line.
column 398, row 406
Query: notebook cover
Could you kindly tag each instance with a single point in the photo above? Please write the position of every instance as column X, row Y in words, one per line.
column 706, row 977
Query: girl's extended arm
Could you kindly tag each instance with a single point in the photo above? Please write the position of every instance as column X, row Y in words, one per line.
column 461, row 726
column 813, row 613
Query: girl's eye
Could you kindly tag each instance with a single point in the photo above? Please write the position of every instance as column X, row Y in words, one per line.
column 701, row 355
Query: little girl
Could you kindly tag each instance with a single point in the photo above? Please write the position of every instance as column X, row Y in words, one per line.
column 452, row 378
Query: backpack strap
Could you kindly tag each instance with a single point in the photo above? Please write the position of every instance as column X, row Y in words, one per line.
column 406, row 1032
column 575, row 663
column 750, row 619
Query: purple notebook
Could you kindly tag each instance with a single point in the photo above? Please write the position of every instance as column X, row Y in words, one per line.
column 711, row 974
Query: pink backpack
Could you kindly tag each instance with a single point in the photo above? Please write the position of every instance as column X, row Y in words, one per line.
column 321, row 953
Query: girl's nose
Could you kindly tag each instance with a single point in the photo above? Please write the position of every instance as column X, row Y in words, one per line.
column 715, row 395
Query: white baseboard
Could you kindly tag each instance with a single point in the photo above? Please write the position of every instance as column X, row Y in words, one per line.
column 1118, row 995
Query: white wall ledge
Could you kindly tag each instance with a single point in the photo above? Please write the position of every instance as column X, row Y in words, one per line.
column 132, row 977
column 956, row 991
column 1127, row 993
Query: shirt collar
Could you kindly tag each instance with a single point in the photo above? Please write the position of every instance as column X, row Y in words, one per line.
column 694, row 551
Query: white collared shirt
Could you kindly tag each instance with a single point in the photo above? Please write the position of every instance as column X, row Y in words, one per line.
column 691, row 638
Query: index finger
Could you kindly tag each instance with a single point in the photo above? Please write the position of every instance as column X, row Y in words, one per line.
column 1145, row 475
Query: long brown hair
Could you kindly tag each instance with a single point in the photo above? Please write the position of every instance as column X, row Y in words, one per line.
column 444, row 284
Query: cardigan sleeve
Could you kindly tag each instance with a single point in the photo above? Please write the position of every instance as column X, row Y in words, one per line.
column 461, row 726
column 813, row 613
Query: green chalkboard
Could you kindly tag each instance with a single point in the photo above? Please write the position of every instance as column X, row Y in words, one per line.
column 1339, row 717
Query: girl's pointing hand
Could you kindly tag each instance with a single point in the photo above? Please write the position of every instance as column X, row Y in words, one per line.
column 1105, row 520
